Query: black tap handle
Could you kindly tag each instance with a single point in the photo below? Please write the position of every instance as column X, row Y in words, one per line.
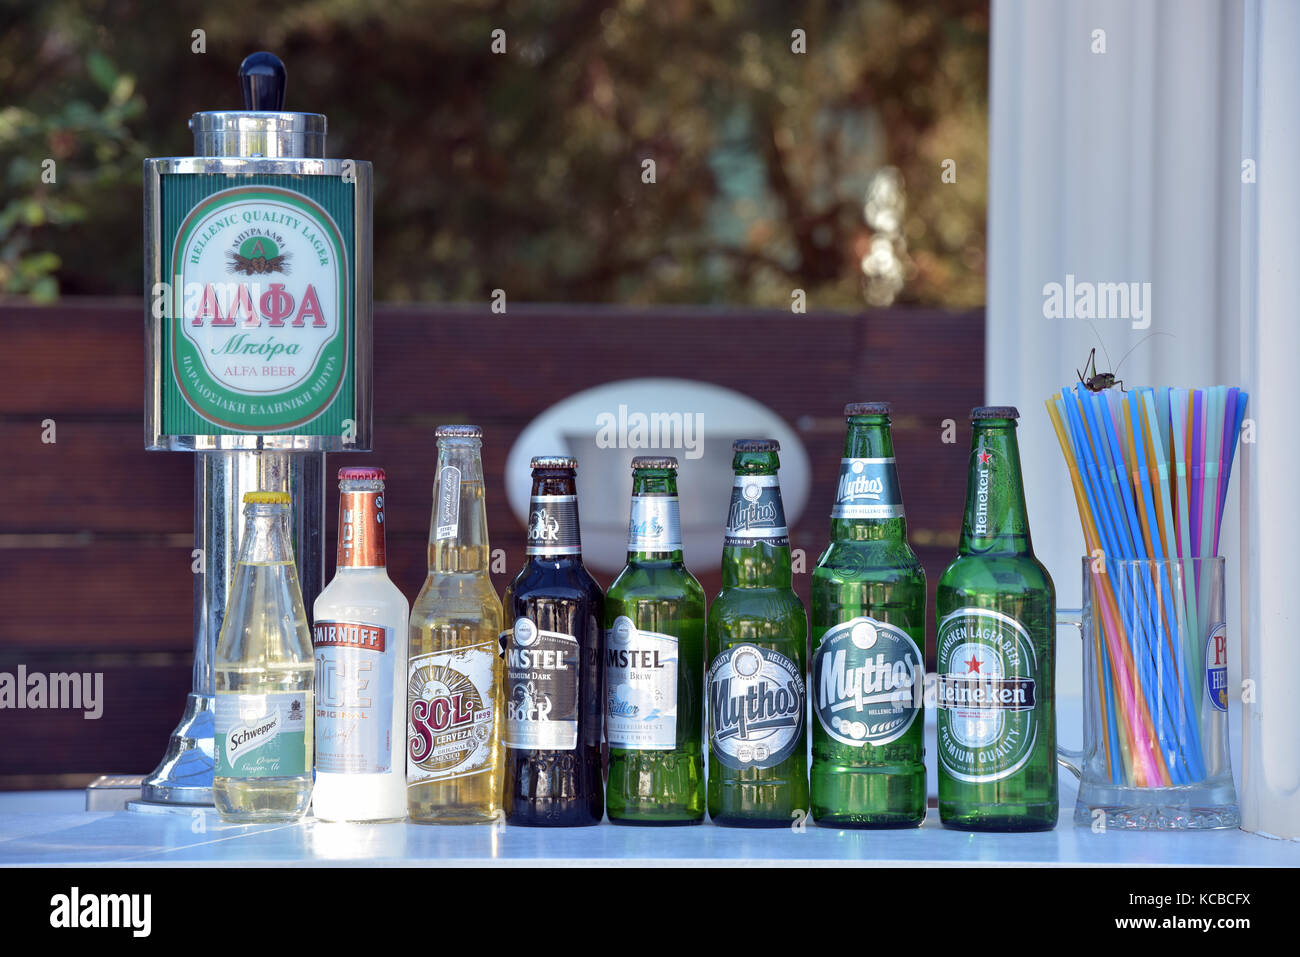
column 263, row 80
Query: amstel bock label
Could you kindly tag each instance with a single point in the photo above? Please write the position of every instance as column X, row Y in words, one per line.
column 868, row 488
column 985, row 694
column 541, row 688
column 354, row 697
column 449, row 696
column 553, row 526
column 866, row 675
column 756, row 707
column 261, row 735
column 641, row 688
column 756, row 514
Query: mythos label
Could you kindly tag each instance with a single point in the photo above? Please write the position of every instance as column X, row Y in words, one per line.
column 987, row 707
column 641, row 688
column 756, row 707
column 868, row 488
column 553, row 526
column 866, row 676
column 261, row 735
column 354, row 697
column 541, row 688
column 450, row 713
column 1216, row 667
column 756, row 514
column 655, row 525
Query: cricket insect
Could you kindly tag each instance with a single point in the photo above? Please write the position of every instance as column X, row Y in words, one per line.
column 1101, row 381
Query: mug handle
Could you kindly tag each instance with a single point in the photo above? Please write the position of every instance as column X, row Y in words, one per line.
column 1072, row 761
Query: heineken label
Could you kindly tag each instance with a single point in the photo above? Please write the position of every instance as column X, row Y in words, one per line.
column 450, row 713
column 986, row 695
column 641, row 688
column 448, row 504
column 553, row 526
column 868, row 488
column 1216, row 667
column 756, row 514
column 541, row 688
column 656, row 524
column 865, row 677
column 261, row 735
column 756, row 707
column 354, row 697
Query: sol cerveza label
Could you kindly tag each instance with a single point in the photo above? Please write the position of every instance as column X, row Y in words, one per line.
column 541, row 688
column 756, row 707
column 354, row 697
column 262, row 735
column 450, row 712
column 986, row 697
column 865, row 677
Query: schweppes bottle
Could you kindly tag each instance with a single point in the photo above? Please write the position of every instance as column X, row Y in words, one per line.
column 868, row 641
column 996, row 652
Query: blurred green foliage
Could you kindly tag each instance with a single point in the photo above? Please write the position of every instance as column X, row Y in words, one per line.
column 524, row 170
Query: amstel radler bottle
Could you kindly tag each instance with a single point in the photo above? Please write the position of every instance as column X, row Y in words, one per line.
column 868, row 636
column 263, row 670
column 554, row 664
column 654, row 663
column 757, row 644
column 358, row 629
column 454, row 685
column 997, row 653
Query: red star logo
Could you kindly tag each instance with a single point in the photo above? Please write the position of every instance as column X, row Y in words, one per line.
column 985, row 458
column 972, row 664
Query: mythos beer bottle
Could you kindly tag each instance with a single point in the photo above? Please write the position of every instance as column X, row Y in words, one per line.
column 654, row 663
column 553, row 647
column 453, row 771
column 359, row 632
column 757, row 644
column 997, row 653
column 263, row 671
column 868, row 640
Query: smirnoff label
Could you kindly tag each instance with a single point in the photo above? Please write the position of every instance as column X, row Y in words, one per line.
column 450, row 711
column 655, row 525
column 868, row 488
column 640, row 688
column 354, row 697
column 756, row 514
column 447, row 519
column 261, row 735
column 986, row 695
column 756, row 707
column 866, row 675
column 553, row 526
column 541, row 688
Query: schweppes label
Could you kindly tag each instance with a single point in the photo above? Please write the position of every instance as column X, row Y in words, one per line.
column 868, row 488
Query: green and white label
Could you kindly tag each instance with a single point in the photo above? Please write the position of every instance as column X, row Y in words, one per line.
column 866, row 675
column 262, row 735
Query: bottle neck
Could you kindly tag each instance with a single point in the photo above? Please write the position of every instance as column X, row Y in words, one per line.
column 756, row 545
column 361, row 525
column 654, row 532
column 458, row 531
column 266, row 535
column 996, row 521
column 868, row 503
column 553, row 529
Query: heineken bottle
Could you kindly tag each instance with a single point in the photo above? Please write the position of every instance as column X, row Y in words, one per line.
column 996, row 652
column 868, row 636
column 654, row 663
column 757, row 634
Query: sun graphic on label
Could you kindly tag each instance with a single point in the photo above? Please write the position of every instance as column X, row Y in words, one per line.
column 752, row 492
column 747, row 663
column 858, row 467
column 864, row 634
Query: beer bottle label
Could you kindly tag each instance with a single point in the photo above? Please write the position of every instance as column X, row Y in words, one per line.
column 868, row 488
column 448, row 515
column 553, row 526
column 656, row 524
column 987, row 709
column 450, row 712
column 541, row 688
column 261, row 735
column 756, row 514
column 866, row 679
column 641, row 688
column 354, row 697
column 1216, row 667
column 756, row 707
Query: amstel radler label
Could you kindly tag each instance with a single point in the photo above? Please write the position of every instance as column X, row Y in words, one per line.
column 866, row 675
column 756, row 515
column 541, row 688
column 868, row 488
column 450, row 713
column 655, row 524
column 641, row 688
column 756, row 707
column 354, row 697
column 988, row 717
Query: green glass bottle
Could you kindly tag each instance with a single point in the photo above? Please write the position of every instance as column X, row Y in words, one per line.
column 758, row 633
column 654, row 663
column 868, row 640
column 995, row 692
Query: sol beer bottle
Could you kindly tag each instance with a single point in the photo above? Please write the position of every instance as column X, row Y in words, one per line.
column 554, row 670
column 654, row 663
column 454, row 682
column 997, row 652
column 868, row 636
column 757, row 635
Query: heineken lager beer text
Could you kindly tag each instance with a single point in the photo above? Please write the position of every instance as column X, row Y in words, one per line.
column 868, row 640
column 996, row 609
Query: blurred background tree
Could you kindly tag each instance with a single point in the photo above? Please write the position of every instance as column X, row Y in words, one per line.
column 525, row 170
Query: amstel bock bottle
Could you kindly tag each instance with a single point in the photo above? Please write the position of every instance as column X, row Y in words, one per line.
column 868, row 636
column 454, row 687
column 757, row 635
column 654, row 663
column 358, row 628
column 263, row 670
column 554, row 670
column 997, row 652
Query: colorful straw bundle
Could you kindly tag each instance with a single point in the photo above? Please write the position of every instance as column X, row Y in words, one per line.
column 1150, row 471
